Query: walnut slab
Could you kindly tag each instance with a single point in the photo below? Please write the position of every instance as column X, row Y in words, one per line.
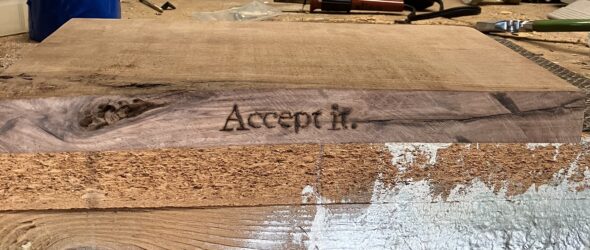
column 100, row 85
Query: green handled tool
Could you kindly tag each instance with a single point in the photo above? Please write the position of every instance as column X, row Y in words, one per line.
column 515, row 26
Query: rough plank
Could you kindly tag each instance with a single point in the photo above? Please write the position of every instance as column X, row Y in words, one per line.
column 466, row 224
column 226, row 228
column 154, row 84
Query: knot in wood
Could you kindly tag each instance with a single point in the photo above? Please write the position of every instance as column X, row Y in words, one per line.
column 114, row 111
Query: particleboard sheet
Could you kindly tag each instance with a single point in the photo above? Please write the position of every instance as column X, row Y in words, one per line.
column 100, row 85
column 281, row 174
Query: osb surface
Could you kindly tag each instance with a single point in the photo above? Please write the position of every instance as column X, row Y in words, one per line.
column 514, row 167
column 160, row 178
column 274, row 175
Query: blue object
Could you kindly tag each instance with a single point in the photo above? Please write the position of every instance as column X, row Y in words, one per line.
column 46, row 16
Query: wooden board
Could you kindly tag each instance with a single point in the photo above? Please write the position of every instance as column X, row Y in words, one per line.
column 141, row 84
column 148, row 56
column 355, row 196
column 357, row 226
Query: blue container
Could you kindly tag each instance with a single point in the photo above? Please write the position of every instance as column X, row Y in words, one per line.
column 46, row 16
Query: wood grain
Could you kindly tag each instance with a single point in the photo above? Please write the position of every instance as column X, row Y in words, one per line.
column 225, row 228
column 150, row 56
column 217, row 118
column 154, row 84
column 354, row 226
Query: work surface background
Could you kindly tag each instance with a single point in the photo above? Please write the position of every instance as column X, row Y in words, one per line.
column 371, row 196
column 567, row 49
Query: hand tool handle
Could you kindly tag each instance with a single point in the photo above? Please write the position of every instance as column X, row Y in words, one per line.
column 563, row 25
column 151, row 5
column 348, row 5
column 378, row 5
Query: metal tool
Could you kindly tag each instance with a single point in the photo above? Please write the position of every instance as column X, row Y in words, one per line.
column 515, row 26
column 390, row 5
column 151, row 5
column 168, row 6
column 478, row 2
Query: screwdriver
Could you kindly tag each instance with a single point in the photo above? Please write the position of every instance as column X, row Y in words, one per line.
column 515, row 26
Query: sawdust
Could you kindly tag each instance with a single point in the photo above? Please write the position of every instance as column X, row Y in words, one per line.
column 12, row 48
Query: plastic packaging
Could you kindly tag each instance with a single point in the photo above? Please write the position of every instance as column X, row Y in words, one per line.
column 46, row 16
column 255, row 10
column 13, row 17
